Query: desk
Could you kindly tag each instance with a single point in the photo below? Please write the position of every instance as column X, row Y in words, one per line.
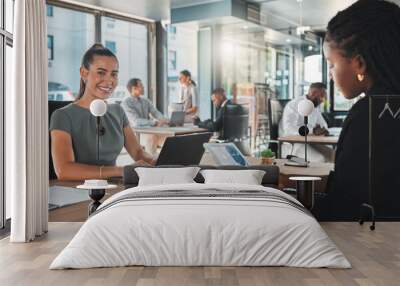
column 169, row 131
column 315, row 169
column 311, row 140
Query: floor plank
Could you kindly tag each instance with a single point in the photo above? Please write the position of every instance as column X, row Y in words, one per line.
column 375, row 257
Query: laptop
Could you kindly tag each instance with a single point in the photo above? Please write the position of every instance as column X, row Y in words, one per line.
column 226, row 154
column 177, row 118
column 183, row 149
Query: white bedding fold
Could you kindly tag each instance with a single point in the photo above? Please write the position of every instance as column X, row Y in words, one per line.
column 200, row 231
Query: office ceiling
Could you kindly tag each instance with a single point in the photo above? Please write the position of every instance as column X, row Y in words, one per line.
column 282, row 14
column 187, row 3
column 278, row 14
column 152, row 9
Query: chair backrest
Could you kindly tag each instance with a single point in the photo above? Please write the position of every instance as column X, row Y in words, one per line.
column 54, row 105
column 275, row 111
column 235, row 122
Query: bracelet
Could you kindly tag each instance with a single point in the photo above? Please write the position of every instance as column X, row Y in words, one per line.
column 101, row 167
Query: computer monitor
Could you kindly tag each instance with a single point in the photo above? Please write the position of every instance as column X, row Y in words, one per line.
column 183, row 149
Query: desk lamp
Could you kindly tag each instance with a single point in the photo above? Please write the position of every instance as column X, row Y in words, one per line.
column 97, row 191
column 305, row 108
column 98, row 108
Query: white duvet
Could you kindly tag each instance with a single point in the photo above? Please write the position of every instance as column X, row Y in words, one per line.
column 200, row 231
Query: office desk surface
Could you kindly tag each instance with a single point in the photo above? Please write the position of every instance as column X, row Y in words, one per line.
column 314, row 170
column 170, row 131
column 311, row 139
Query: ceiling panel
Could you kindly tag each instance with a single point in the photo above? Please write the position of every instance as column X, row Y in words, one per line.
column 281, row 14
column 152, row 9
column 187, row 3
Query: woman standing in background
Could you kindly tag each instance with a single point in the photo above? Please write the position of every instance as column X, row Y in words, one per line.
column 188, row 94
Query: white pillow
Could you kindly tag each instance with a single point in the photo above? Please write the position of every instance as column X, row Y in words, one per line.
column 248, row 177
column 164, row 176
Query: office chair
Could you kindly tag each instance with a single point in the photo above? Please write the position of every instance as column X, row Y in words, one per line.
column 54, row 105
column 275, row 111
column 235, row 127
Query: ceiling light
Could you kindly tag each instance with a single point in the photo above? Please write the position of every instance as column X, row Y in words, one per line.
column 288, row 40
column 302, row 29
column 245, row 27
column 310, row 48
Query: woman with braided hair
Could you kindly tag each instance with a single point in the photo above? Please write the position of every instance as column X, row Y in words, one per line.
column 362, row 47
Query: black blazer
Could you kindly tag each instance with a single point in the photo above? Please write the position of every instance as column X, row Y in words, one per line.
column 348, row 185
column 217, row 125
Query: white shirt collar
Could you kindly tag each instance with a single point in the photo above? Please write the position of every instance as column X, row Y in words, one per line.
column 224, row 103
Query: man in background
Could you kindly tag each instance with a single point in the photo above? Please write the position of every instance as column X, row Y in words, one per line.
column 220, row 101
column 292, row 121
column 142, row 113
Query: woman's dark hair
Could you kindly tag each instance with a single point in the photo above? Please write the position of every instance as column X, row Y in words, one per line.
column 189, row 75
column 371, row 29
column 95, row 50
column 133, row 82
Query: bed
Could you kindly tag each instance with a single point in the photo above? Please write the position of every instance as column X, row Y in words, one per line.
column 201, row 225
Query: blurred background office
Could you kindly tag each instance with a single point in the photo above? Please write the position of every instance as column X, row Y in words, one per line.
column 257, row 51
column 252, row 49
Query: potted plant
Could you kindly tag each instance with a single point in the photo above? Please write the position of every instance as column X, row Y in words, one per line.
column 267, row 156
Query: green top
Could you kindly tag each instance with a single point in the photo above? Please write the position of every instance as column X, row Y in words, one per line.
column 81, row 125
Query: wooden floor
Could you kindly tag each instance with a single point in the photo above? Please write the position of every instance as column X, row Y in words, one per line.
column 375, row 257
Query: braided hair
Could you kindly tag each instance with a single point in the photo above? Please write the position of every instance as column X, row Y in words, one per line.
column 95, row 50
column 370, row 29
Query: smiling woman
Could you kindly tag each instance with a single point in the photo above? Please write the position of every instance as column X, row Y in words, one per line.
column 73, row 128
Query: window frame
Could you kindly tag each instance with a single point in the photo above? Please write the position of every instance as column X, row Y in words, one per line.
column 51, row 54
column 6, row 39
column 99, row 12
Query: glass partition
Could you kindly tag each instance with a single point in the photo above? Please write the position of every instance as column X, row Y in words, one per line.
column 182, row 54
column 252, row 55
column 6, row 43
column 7, row 94
column 129, row 41
column 69, row 34
column 9, row 12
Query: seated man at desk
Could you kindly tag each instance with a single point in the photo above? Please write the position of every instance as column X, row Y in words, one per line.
column 292, row 121
column 219, row 100
column 142, row 113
